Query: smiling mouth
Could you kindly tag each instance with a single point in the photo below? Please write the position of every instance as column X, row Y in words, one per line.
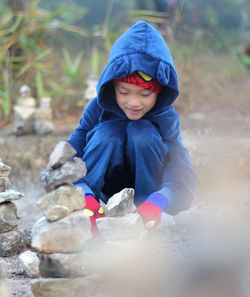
column 134, row 111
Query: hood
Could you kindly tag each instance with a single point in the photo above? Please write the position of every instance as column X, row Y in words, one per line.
column 142, row 48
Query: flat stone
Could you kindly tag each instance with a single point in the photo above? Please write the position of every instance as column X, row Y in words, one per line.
column 4, row 292
column 67, row 235
column 4, row 184
column 4, row 170
column 4, row 270
column 68, row 173
column 64, row 265
column 121, row 228
column 67, row 287
column 121, row 203
column 14, row 242
column 30, row 263
column 10, row 196
column 62, row 153
column 8, row 217
column 61, row 202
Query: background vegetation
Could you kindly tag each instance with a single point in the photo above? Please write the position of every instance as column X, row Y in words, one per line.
column 55, row 46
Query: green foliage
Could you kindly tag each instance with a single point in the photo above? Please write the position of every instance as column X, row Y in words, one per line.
column 4, row 95
column 71, row 66
column 25, row 52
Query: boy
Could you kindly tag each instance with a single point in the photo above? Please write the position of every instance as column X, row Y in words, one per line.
column 129, row 135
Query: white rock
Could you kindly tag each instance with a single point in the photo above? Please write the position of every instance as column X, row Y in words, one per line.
column 4, row 292
column 67, row 235
column 67, row 287
column 10, row 196
column 121, row 203
column 30, row 263
column 121, row 228
column 61, row 202
column 4, row 271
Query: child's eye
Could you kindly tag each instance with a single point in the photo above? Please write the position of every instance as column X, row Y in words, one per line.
column 123, row 93
column 145, row 95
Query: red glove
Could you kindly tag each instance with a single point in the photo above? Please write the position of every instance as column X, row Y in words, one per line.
column 151, row 214
column 94, row 211
column 151, row 209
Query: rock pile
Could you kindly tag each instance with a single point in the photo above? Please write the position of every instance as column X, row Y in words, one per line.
column 32, row 119
column 70, row 264
column 61, row 236
column 122, row 222
column 12, row 240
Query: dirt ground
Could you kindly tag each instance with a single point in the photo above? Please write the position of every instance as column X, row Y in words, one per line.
column 216, row 130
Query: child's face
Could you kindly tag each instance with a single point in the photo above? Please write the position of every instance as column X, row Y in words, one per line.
column 133, row 100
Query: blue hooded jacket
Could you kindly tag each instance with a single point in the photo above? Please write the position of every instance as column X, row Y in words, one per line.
column 143, row 48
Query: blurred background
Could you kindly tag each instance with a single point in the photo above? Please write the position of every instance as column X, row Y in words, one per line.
column 59, row 48
column 56, row 47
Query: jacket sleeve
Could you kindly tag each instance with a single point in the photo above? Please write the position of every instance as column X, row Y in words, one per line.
column 89, row 119
column 178, row 184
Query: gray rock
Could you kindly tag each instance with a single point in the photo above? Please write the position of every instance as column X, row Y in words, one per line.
column 68, row 173
column 121, row 203
column 61, row 202
column 14, row 242
column 30, row 263
column 10, row 195
column 43, row 127
column 62, row 153
column 4, row 170
column 121, row 228
column 4, row 292
column 4, row 270
column 4, row 184
column 67, row 235
column 67, row 287
column 8, row 217
column 64, row 265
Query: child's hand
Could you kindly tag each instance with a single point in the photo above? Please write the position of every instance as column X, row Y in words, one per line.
column 150, row 213
column 62, row 152
column 93, row 210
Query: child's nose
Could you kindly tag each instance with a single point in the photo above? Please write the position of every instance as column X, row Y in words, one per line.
column 134, row 102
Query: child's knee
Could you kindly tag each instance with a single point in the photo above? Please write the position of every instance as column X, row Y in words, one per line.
column 141, row 133
column 109, row 132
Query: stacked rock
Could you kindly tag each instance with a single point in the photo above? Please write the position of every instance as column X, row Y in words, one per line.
column 12, row 240
column 32, row 119
column 122, row 221
column 61, row 236
column 43, row 117
column 24, row 109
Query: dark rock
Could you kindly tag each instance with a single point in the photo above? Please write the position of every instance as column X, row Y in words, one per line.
column 62, row 153
column 8, row 217
column 68, row 173
column 14, row 242
column 64, row 265
column 4, row 184
column 4, row 169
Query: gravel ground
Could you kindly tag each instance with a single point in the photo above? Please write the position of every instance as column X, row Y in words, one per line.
column 220, row 154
